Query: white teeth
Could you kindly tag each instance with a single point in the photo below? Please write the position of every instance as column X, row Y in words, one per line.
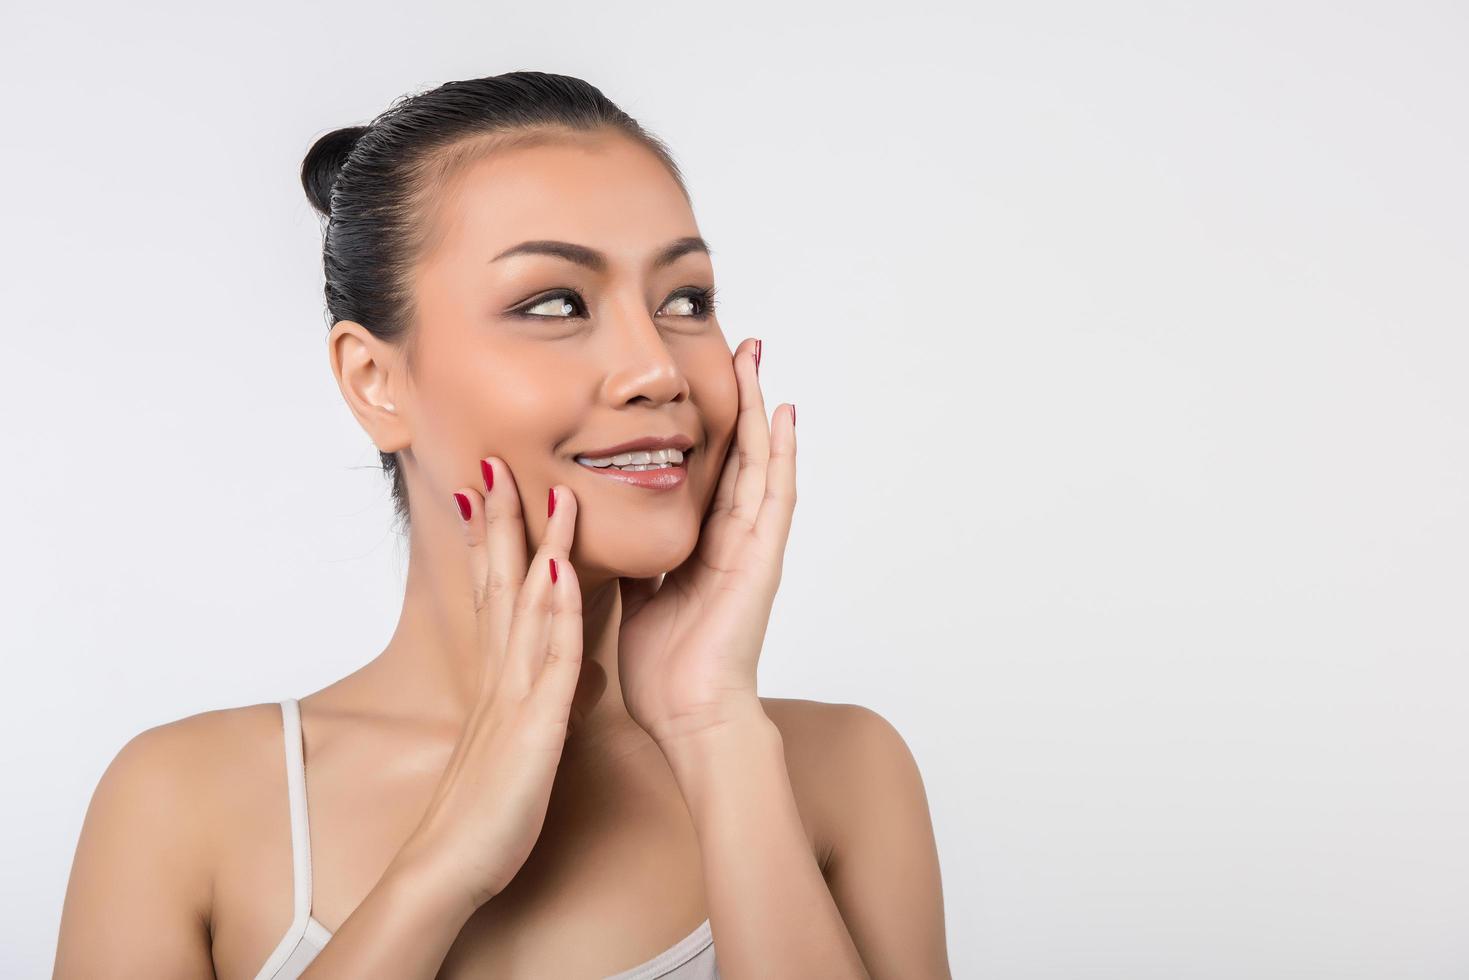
column 653, row 460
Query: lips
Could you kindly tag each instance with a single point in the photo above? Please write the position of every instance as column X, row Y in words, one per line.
column 661, row 478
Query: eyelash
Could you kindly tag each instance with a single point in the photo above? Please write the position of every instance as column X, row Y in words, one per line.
column 707, row 298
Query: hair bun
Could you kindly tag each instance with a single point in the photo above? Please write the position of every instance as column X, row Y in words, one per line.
column 324, row 162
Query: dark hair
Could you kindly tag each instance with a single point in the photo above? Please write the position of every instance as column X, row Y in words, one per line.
column 376, row 184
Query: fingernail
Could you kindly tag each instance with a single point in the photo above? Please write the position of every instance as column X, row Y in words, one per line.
column 793, row 415
column 550, row 501
column 553, row 571
column 463, row 502
column 757, row 356
column 489, row 474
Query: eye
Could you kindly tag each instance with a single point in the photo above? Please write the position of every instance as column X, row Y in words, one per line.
column 694, row 301
column 565, row 302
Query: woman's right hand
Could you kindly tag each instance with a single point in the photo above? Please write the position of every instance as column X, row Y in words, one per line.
column 486, row 814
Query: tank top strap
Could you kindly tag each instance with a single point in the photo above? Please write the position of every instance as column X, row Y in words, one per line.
column 300, row 825
column 285, row 960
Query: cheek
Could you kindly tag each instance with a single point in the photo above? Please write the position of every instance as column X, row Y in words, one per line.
column 478, row 399
column 716, row 393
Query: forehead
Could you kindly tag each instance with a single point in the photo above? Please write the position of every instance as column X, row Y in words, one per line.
column 604, row 191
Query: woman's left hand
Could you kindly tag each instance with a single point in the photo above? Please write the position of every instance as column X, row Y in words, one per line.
column 688, row 649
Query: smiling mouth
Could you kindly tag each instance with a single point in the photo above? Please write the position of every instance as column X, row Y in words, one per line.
column 639, row 462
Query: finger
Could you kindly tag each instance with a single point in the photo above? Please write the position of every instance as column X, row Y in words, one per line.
column 724, row 490
column 752, row 433
column 773, row 525
column 498, row 563
column 554, row 688
column 526, row 648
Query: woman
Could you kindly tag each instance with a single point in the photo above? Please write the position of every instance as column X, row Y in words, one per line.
column 559, row 766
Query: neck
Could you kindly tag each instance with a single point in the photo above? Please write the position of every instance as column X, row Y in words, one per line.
column 432, row 668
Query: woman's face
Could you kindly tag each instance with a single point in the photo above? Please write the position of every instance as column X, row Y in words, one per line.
column 537, row 358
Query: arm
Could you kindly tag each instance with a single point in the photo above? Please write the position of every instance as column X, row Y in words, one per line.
column 138, row 899
column 883, row 869
column 402, row 930
column 769, row 906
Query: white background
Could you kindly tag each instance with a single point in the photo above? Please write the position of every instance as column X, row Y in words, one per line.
column 1129, row 347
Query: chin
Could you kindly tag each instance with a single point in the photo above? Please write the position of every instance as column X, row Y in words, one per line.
column 632, row 558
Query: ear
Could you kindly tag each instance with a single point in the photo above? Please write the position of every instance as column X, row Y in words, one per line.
column 367, row 371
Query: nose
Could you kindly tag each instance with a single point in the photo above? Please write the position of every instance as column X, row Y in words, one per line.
column 641, row 367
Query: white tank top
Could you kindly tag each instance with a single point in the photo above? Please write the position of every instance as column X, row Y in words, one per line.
column 691, row 958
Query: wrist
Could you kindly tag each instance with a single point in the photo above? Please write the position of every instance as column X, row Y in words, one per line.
column 421, row 883
column 719, row 731
column 724, row 753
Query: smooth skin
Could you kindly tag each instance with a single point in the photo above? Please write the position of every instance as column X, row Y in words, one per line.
column 497, row 793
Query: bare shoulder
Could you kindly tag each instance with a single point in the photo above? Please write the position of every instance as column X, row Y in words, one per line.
column 141, row 882
column 805, row 719
column 857, row 781
column 198, row 737
column 838, row 739
column 834, row 751
column 202, row 755
column 194, row 768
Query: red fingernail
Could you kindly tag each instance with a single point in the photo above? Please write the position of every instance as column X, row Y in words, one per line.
column 489, row 475
column 553, row 571
column 757, row 356
column 550, row 501
column 463, row 505
column 793, row 415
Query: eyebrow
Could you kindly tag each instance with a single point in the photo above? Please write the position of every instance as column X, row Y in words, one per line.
column 595, row 260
